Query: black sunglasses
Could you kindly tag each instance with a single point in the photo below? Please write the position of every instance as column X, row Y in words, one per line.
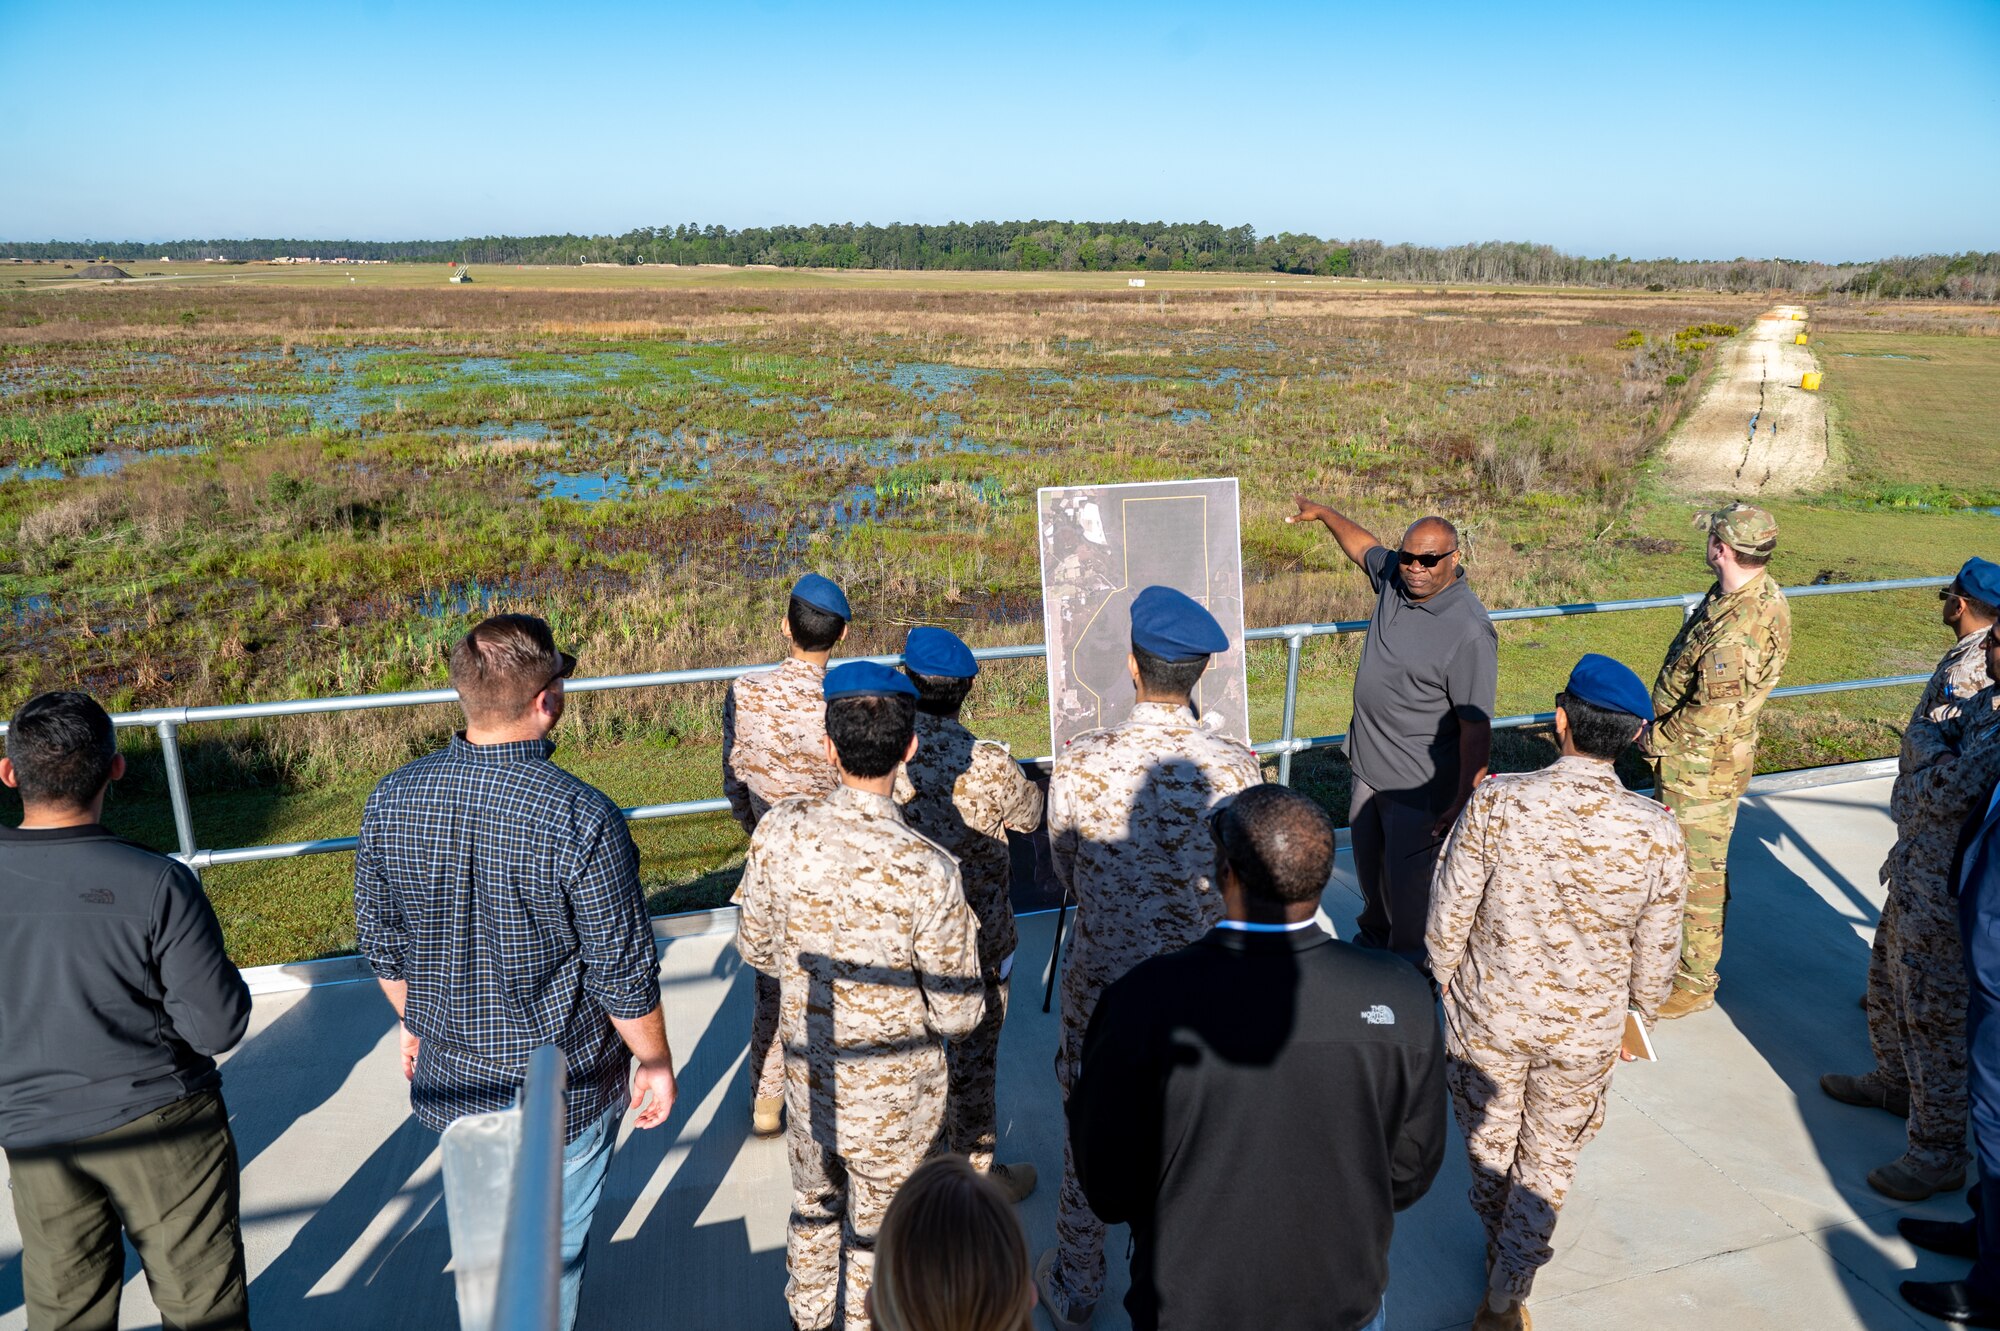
column 568, row 669
column 1408, row 557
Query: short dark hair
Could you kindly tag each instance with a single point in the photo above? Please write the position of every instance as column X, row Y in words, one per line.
column 813, row 629
column 501, row 665
column 871, row 733
column 1745, row 560
column 1598, row 732
column 62, row 746
column 1176, row 678
column 939, row 695
column 1278, row 842
column 1980, row 609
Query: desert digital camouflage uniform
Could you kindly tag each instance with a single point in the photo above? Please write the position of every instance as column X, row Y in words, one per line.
column 773, row 733
column 864, row 926
column 966, row 794
column 1917, row 994
column 1721, row 667
column 1129, row 842
column 1556, row 906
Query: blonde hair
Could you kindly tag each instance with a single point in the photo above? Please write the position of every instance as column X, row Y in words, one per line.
column 951, row 1255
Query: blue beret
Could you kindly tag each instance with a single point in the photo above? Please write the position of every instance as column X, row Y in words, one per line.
column 939, row 652
column 1606, row 683
column 822, row 594
column 865, row 679
column 1980, row 579
column 1173, row 626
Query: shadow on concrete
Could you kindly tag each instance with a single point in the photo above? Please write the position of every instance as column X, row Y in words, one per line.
column 648, row 1248
column 1792, row 969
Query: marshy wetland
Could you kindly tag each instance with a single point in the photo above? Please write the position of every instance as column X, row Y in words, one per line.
column 222, row 491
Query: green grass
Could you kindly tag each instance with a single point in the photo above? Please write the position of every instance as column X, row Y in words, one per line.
column 287, row 562
column 1919, row 429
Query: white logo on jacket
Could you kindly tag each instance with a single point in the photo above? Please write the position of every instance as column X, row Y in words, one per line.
column 1379, row 1015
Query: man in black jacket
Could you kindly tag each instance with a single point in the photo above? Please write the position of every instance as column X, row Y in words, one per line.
column 1259, row 1105
column 115, row 997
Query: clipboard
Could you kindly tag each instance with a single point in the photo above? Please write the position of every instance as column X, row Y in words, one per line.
column 1635, row 1041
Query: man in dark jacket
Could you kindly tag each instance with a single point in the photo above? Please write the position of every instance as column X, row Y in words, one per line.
column 1259, row 1105
column 115, row 997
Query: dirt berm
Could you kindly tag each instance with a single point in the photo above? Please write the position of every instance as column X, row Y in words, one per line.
column 1717, row 451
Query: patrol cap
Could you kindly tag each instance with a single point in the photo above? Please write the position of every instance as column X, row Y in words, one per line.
column 822, row 594
column 1747, row 530
column 1603, row 682
column 1979, row 579
column 1174, row 627
column 940, row 652
column 865, row 679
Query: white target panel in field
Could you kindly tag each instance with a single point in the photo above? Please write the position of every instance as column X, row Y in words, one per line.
column 1101, row 546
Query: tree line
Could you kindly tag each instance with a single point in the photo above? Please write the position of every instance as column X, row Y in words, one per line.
column 1106, row 246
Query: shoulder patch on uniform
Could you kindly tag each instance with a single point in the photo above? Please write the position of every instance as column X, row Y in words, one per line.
column 1379, row 1015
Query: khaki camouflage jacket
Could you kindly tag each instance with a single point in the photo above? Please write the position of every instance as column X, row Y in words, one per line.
column 1967, row 745
column 1960, row 675
column 773, row 733
column 1722, row 666
column 865, row 926
column 1556, row 906
column 966, row 794
column 1128, row 833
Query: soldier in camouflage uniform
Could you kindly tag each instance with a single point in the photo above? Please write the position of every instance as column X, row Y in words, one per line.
column 774, row 747
column 863, row 924
column 1556, row 907
column 1722, row 666
column 1128, row 810
column 1917, row 982
column 966, row 794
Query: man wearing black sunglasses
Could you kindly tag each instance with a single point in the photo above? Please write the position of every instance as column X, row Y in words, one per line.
column 1423, row 718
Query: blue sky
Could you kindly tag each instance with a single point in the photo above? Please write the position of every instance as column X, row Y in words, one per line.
column 1827, row 131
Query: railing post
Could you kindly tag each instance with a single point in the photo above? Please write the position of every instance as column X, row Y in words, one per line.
column 1293, row 642
column 529, row 1284
column 177, row 791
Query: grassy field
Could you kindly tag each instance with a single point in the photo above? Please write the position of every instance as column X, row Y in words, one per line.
column 1917, row 413
column 275, row 483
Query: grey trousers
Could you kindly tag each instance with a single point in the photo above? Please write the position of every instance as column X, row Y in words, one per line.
column 1394, row 857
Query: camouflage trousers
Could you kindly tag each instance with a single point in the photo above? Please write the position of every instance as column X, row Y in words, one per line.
column 767, row 1051
column 1079, row 1233
column 837, row 1208
column 1706, row 810
column 1525, row 1120
column 972, row 1114
column 1917, row 996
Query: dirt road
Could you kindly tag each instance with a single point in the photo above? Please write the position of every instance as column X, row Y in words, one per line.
column 1755, row 431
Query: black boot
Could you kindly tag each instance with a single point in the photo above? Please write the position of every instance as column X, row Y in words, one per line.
column 1952, row 1300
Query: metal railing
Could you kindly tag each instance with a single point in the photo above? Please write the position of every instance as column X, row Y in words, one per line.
column 503, row 1203
column 167, row 722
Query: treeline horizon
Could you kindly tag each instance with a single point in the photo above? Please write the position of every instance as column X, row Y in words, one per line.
column 1047, row 246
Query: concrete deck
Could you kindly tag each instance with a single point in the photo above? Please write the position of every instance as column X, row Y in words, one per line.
column 1724, row 1191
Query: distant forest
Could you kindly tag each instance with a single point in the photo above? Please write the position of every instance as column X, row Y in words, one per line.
column 1105, row 246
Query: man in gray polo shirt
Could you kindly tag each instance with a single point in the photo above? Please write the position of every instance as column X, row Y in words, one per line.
column 1423, row 718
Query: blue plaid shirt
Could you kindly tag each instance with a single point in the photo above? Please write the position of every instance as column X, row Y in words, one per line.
column 505, row 893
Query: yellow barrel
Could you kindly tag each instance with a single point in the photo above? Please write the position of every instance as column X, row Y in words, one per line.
column 1810, row 381
column 1800, row 340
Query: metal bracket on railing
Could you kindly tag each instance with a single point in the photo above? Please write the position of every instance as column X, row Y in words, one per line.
column 177, row 794
column 1295, row 637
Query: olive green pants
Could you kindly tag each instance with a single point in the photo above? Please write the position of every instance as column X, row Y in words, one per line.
column 169, row 1178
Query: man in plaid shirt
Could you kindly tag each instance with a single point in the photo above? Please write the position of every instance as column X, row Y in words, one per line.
column 497, row 899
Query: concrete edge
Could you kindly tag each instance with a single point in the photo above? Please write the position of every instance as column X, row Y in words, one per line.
column 293, row 976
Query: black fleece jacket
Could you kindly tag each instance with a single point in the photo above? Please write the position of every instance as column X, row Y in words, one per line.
column 115, row 993
column 1258, row 1106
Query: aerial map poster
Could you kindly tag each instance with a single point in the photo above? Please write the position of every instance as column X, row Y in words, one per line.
column 1101, row 546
